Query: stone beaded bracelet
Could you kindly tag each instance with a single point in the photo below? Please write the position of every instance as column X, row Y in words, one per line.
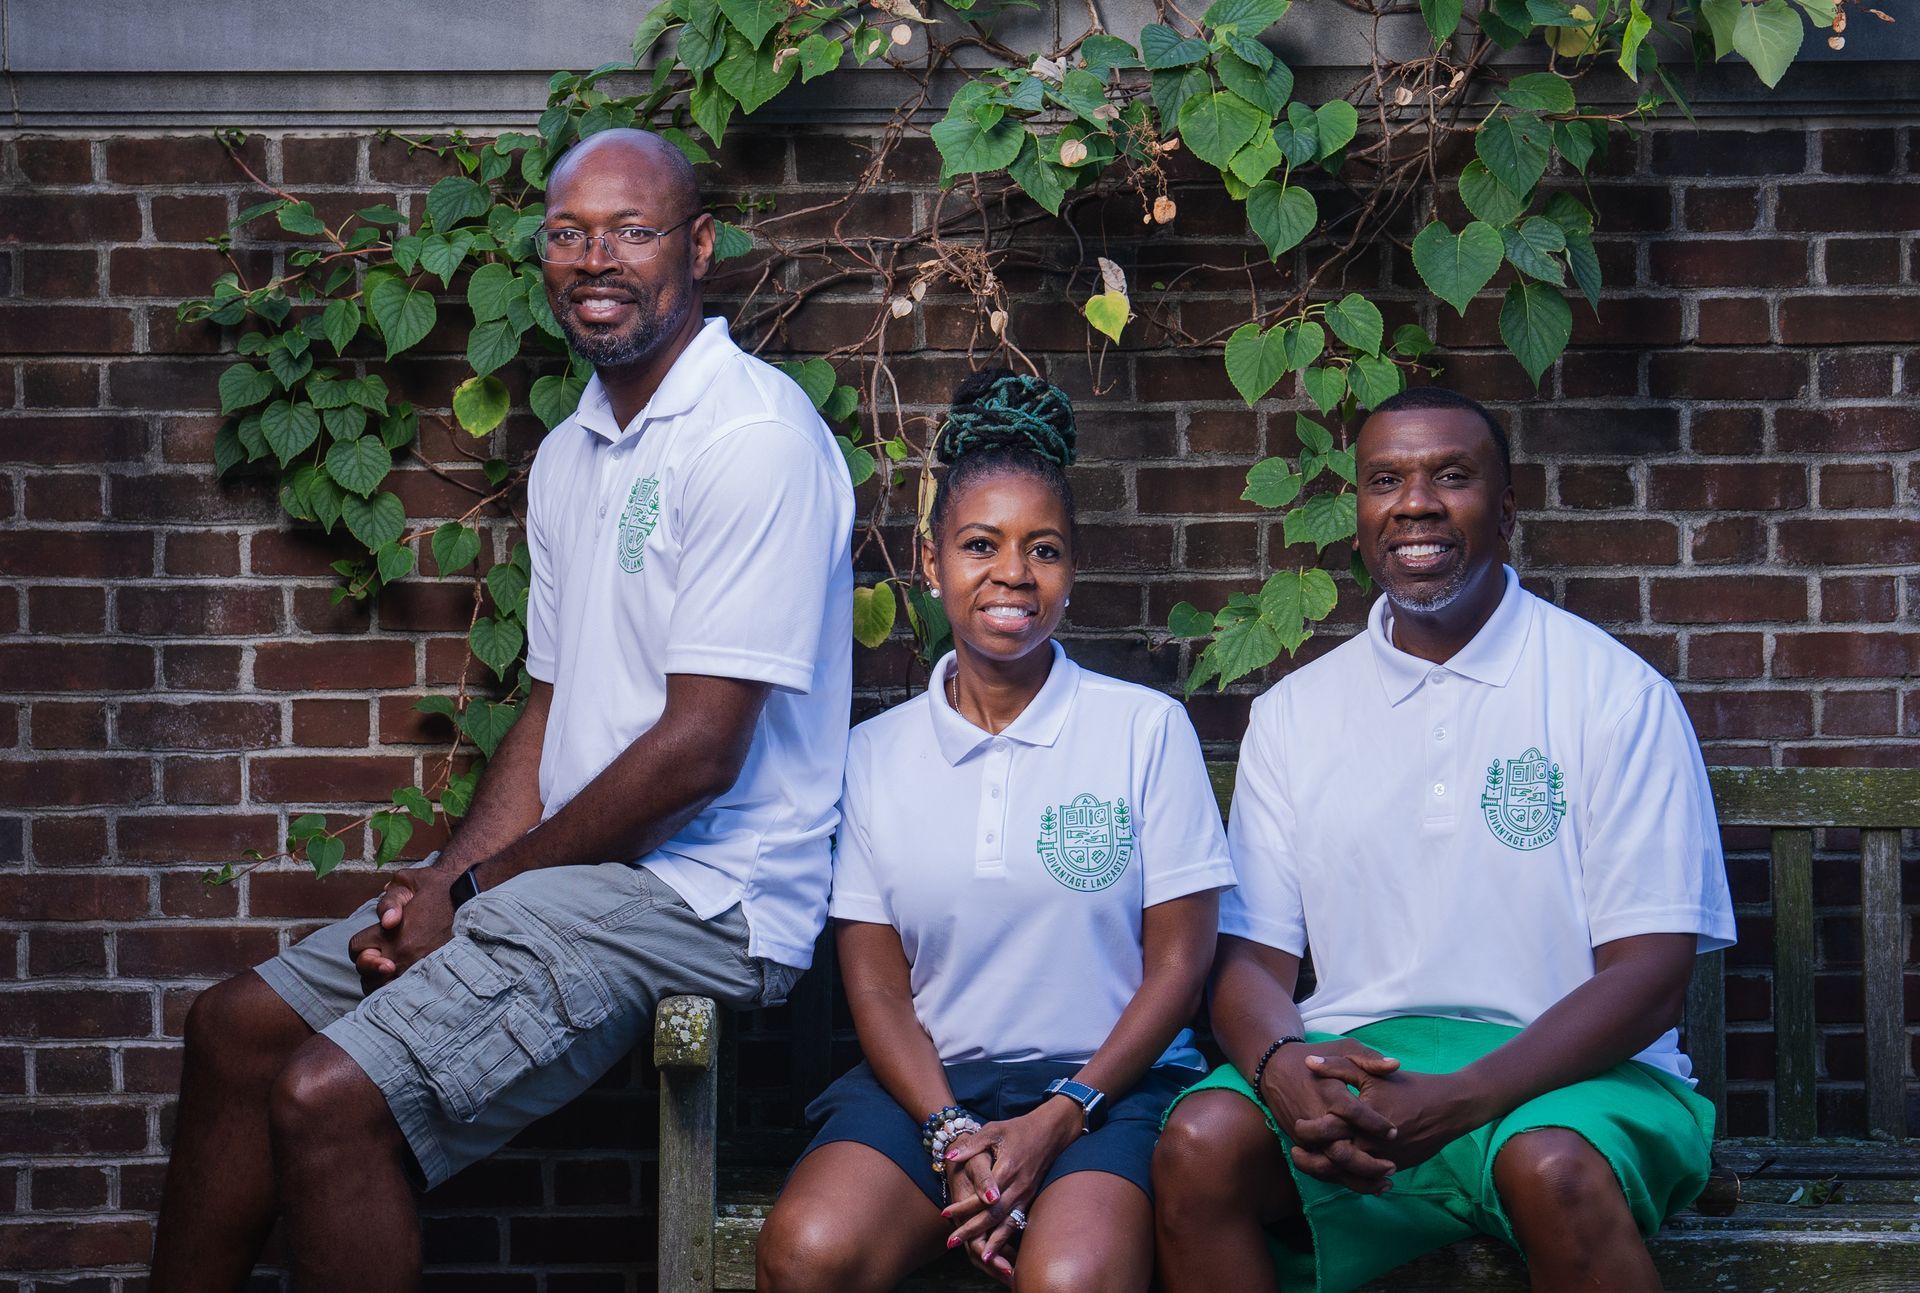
column 941, row 1129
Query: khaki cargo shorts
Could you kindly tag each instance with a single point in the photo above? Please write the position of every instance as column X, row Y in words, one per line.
column 548, row 981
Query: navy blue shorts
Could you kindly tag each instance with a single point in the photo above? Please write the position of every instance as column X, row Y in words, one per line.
column 857, row 1108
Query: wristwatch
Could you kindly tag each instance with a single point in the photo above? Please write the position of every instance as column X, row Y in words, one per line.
column 1086, row 1097
column 464, row 888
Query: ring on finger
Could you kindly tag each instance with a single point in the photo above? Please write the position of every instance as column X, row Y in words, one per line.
column 1017, row 1219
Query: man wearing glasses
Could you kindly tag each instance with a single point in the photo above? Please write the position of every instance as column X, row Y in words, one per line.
column 657, row 821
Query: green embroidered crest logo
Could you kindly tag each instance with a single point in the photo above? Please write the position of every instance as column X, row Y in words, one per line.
column 1087, row 843
column 636, row 523
column 1524, row 800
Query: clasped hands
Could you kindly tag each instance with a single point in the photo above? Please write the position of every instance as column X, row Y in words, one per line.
column 997, row 1170
column 1355, row 1118
column 413, row 918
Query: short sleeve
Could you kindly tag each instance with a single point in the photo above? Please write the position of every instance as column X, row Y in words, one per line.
column 1266, row 906
column 543, row 596
column 856, row 887
column 761, row 521
column 1651, row 862
column 1183, row 849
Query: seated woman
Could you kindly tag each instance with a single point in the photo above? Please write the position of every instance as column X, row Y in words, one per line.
column 1025, row 893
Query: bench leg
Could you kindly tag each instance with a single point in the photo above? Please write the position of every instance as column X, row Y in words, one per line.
column 686, row 1044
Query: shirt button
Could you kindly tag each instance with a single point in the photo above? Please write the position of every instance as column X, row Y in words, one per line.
column 1439, row 733
column 996, row 792
column 1437, row 677
column 1439, row 787
column 1000, row 747
column 989, row 837
column 603, row 509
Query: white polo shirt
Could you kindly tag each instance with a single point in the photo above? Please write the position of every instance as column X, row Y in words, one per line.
column 710, row 535
column 1454, row 840
column 1015, row 867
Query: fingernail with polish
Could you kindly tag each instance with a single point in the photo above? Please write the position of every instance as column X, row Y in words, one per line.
column 993, row 1195
column 953, row 1241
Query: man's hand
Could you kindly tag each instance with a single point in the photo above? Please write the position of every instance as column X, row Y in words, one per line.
column 1428, row 1110
column 414, row 917
column 1324, row 1118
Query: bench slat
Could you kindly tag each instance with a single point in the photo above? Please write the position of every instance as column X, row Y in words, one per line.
column 1706, row 1041
column 1883, row 797
column 685, row 1046
column 1883, row 940
column 1793, row 1033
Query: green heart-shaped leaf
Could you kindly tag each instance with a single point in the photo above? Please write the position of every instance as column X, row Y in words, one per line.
column 358, row 466
column 454, row 547
column 289, row 428
column 404, row 313
column 1454, row 267
column 1324, row 386
column 1108, row 313
column 1188, row 621
column 496, row 644
column 1272, row 482
column 480, row 404
column 1282, row 215
column 1301, row 342
column 1536, row 323
column 242, row 386
column 1215, row 126
column 1487, row 197
column 375, row 521
column 1356, row 321
column 1255, row 361
column 1514, row 147
column 1322, row 520
column 1530, row 248
column 874, row 609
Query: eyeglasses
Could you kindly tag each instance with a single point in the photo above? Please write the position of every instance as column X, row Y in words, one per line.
column 631, row 242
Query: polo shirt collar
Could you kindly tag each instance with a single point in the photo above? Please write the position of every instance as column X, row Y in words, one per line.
column 1490, row 657
column 682, row 387
column 1039, row 723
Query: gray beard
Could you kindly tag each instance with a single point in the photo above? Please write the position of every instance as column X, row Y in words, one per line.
column 1431, row 598
column 610, row 350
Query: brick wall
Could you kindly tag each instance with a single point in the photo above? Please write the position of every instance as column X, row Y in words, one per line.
column 1724, row 472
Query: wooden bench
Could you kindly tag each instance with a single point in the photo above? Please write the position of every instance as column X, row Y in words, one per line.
column 1813, row 1213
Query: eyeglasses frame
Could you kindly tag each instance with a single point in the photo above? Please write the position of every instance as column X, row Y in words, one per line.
column 606, row 242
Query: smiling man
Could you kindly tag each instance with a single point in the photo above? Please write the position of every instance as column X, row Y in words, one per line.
column 1491, row 825
column 657, row 821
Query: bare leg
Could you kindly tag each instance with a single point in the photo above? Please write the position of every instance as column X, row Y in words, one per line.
column 1570, row 1217
column 219, row 1201
column 849, row 1221
column 341, row 1166
column 1089, row 1230
column 1220, row 1178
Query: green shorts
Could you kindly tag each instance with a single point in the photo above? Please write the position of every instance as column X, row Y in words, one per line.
column 1651, row 1127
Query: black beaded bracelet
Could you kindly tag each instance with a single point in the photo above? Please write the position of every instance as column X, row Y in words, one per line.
column 1260, row 1069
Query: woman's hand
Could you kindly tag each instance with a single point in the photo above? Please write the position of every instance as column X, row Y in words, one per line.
column 1017, row 1154
column 968, row 1182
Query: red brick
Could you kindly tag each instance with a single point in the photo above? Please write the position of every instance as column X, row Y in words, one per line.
column 1851, row 542
column 69, row 840
column 1721, row 210
column 1856, row 318
column 328, row 779
column 1846, row 655
column 1729, row 152
column 64, row 610
column 62, row 440
column 188, row 218
column 55, row 897
column 74, row 554
column 1841, row 208
column 189, row 894
column 68, row 1243
column 293, row 892
column 306, row 666
column 1604, row 601
column 1600, row 543
column 197, row 951
column 301, row 551
column 182, row 159
column 35, row 666
column 197, row 610
column 166, row 496
column 75, row 1012
column 1729, row 262
column 1726, row 487
column 1879, row 754
column 1552, row 430
column 1728, row 431
column 1190, row 489
column 176, row 273
column 1862, row 261
column 75, row 782
column 1858, row 484
column 74, row 219
column 48, row 160
column 416, row 607
column 53, row 953
column 1735, row 715
column 1725, row 655
column 80, row 725
column 55, row 385
column 1598, row 374
column 1859, row 152
column 321, row 160
column 196, row 667
column 1848, row 430
column 171, row 384
column 1727, row 375
column 201, row 554
column 330, row 722
column 66, row 329
column 1849, row 598
column 70, row 1070
column 1737, row 599
column 50, row 275
column 198, row 725
column 1734, row 321
column 200, row 781
column 153, row 1070
column 1855, row 374
column 1859, row 713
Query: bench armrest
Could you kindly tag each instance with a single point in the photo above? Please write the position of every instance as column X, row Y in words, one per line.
column 686, row 1033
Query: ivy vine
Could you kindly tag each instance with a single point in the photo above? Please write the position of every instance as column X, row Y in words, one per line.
column 1023, row 142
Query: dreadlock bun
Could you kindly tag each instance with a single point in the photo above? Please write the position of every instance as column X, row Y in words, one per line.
column 998, row 409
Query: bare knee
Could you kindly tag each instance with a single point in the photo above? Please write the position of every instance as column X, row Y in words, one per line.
column 1555, row 1185
column 805, row 1250
column 242, row 1026
column 1216, row 1152
column 1068, row 1272
column 321, row 1098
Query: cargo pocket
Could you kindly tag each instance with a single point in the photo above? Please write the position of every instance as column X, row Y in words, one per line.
column 494, row 1005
